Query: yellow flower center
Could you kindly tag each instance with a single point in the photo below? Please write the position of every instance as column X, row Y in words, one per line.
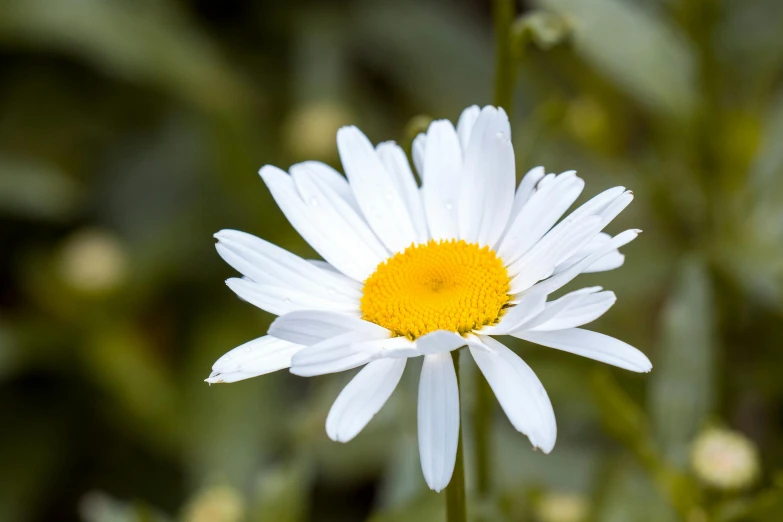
column 441, row 285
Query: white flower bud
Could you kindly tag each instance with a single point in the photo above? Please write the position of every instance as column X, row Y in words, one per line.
column 725, row 459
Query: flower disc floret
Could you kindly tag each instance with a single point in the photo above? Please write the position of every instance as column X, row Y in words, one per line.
column 441, row 285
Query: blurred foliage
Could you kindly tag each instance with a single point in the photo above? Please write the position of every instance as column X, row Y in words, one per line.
column 130, row 131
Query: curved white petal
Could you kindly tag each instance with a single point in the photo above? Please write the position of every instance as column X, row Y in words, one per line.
column 442, row 180
column 529, row 305
column 376, row 191
column 544, row 208
column 308, row 327
column 257, row 357
column 266, row 263
column 439, row 341
column 487, row 190
column 327, row 175
column 344, row 279
column 396, row 163
column 526, row 188
column 557, row 307
column 327, row 222
column 362, row 398
column 585, row 309
column 540, row 261
column 592, row 345
column 465, row 125
column 520, row 393
column 279, row 300
column 610, row 261
column 559, row 280
column 343, row 352
column 438, row 419
column 418, row 147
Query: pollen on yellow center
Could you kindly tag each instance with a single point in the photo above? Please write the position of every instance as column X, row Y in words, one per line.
column 440, row 285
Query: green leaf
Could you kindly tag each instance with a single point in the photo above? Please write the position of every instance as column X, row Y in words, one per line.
column 682, row 391
column 635, row 48
column 147, row 42
column 33, row 189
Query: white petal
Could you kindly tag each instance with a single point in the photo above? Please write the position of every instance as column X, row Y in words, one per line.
column 520, row 393
column 280, row 300
column 442, row 180
column 340, row 353
column 544, row 208
column 487, row 190
column 308, row 327
column 266, row 263
column 615, row 207
column 417, row 151
column 529, row 305
column 558, row 306
column 559, row 280
column 610, row 261
column 329, row 224
column 438, row 419
column 375, row 189
column 592, row 345
column 526, row 188
column 362, row 398
column 465, row 125
column 439, row 341
column 585, row 309
column 540, row 261
column 396, row 163
column 331, row 177
column 257, row 357
column 344, row 279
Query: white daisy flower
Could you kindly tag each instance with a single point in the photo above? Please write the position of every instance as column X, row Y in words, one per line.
column 415, row 271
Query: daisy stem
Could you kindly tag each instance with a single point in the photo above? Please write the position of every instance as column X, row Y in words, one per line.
column 455, row 491
column 505, row 71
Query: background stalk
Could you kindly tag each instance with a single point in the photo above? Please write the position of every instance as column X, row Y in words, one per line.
column 455, row 491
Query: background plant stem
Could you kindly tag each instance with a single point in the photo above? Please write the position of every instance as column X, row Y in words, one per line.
column 455, row 491
column 505, row 71
column 503, row 14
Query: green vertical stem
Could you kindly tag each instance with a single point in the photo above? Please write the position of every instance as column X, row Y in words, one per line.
column 505, row 72
column 455, row 491
column 482, row 418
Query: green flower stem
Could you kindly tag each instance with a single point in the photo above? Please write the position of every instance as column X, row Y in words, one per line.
column 505, row 74
column 455, row 491
column 505, row 71
column 482, row 418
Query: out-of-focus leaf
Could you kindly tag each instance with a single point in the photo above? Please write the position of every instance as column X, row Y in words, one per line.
column 635, row 48
column 31, row 455
column 32, row 189
column 150, row 42
column 404, row 39
column 626, row 494
column 627, row 422
column 229, row 429
column 424, row 508
column 120, row 359
column 282, row 493
column 100, row 507
column 683, row 383
column 763, row 506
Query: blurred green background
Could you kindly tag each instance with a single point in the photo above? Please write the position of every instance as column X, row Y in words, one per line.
column 132, row 130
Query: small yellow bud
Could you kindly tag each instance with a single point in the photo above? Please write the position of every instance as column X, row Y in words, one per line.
column 310, row 130
column 93, row 261
column 215, row 504
column 562, row 507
